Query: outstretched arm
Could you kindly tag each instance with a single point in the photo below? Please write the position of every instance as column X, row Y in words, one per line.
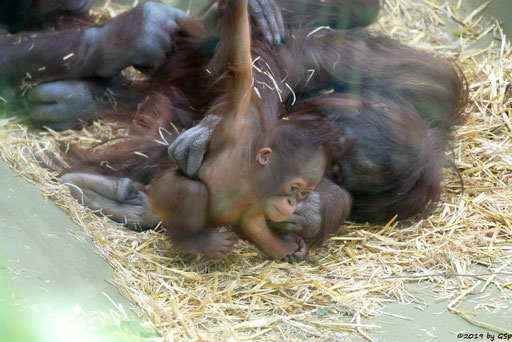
column 189, row 149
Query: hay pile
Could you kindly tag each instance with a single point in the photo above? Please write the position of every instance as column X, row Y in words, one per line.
column 352, row 276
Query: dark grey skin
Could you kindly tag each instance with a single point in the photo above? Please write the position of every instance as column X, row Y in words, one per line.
column 189, row 148
column 120, row 199
column 64, row 63
column 265, row 13
column 61, row 104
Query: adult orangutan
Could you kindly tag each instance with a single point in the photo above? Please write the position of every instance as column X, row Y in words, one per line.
column 398, row 105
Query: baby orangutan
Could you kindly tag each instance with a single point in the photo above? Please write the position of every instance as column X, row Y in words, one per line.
column 286, row 166
column 255, row 170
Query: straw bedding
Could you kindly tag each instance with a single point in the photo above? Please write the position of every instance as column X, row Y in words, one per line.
column 355, row 275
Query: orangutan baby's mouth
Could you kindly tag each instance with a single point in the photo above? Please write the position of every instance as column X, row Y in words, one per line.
column 279, row 211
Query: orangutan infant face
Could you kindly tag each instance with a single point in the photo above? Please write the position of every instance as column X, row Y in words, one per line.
column 286, row 183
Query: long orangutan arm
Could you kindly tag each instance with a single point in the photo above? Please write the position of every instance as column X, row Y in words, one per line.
column 238, row 103
column 47, row 55
column 234, row 47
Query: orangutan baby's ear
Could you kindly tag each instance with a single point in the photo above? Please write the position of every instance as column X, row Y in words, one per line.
column 263, row 155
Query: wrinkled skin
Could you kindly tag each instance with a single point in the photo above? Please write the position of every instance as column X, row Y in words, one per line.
column 189, row 148
column 265, row 13
column 408, row 102
column 118, row 198
column 268, row 19
column 305, row 220
column 61, row 104
column 140, row 38
column 125, row 202
column 302, row 249
column 72, row 87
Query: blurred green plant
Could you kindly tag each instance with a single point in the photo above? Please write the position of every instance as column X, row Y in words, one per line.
column 22, row 321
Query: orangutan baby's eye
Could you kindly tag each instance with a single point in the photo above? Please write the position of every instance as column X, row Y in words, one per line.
column 302, row 195
column 294, row 188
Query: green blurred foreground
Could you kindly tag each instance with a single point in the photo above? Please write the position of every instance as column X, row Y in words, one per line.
column 53, row 285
